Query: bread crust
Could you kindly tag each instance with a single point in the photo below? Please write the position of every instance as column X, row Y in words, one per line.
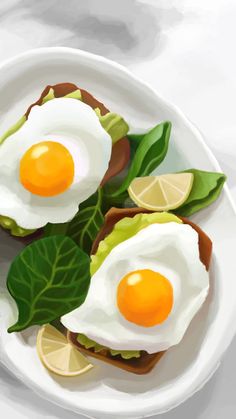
column 140, row 366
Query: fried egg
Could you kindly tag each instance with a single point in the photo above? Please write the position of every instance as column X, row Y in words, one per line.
column 146, row 292
column 55, row 161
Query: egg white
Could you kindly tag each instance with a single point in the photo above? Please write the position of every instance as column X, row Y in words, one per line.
column 73, row 124
column 171, row 249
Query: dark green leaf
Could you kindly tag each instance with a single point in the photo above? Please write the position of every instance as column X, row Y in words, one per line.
column 85, row 226
column 150, row 153
column 206, row 188
column 134, row 140
column 55, row 229
column 49, row 278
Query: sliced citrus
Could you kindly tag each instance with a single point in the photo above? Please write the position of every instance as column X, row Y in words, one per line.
column 58, row 355
column 161, row 193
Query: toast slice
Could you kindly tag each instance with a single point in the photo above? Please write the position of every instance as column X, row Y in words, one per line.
column 121, row 149
column 147, row 361
column 139, row 366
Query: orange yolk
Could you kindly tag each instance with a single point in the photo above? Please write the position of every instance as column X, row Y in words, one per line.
column 47, row 169
column 145, row 297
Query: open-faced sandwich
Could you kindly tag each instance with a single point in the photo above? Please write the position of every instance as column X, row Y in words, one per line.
column 56, row 156
column 149, row 280
column 116, row 271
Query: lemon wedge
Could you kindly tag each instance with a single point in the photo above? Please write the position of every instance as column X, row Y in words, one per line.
column 161, row 193
column 58, row 355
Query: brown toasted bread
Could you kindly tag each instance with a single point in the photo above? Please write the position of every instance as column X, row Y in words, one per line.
column 146, row 361
column 140, row 365
column 120, row 150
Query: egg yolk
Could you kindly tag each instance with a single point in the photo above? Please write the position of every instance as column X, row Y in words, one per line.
column 145, row 297
column 47, row 169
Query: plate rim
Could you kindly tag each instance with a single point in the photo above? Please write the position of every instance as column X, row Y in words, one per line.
column 199, row 137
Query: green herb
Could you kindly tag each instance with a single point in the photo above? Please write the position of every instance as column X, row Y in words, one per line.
column 85, row 226
column 150, row 152
column 48, row 279
column 206, row 188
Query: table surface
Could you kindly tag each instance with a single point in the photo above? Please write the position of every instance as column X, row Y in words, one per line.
column 186, row 50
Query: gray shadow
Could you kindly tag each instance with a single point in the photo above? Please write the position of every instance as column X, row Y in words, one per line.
column 216, row 400
column 12, row 390
column 198, row 406
column 126, row 30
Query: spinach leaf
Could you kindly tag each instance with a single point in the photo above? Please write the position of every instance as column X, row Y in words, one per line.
column 206, row 188
column 49, row 278
column 150, row 152
column 134, row 140
column 84, row 227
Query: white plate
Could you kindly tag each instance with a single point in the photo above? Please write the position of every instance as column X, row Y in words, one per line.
column 107, row 392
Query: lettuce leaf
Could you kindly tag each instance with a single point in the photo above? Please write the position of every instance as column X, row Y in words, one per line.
column 206, row 188
column 91, row 344
column 49, row 96
column 14, row 229
column 113, row 124
column 75, row 95
column 123, row 230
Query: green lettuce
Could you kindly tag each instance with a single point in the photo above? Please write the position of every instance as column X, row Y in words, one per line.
column 49, row 96
column 91, row 344
column 123, row 230
column 14, row 229
column 76, row 94
column 207, row 187
column 113, row 124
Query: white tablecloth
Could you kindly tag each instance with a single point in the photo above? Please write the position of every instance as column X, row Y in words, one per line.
column 186, row 50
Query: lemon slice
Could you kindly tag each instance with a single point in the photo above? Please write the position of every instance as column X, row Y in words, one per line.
column 58, row 355
column 161, row 193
